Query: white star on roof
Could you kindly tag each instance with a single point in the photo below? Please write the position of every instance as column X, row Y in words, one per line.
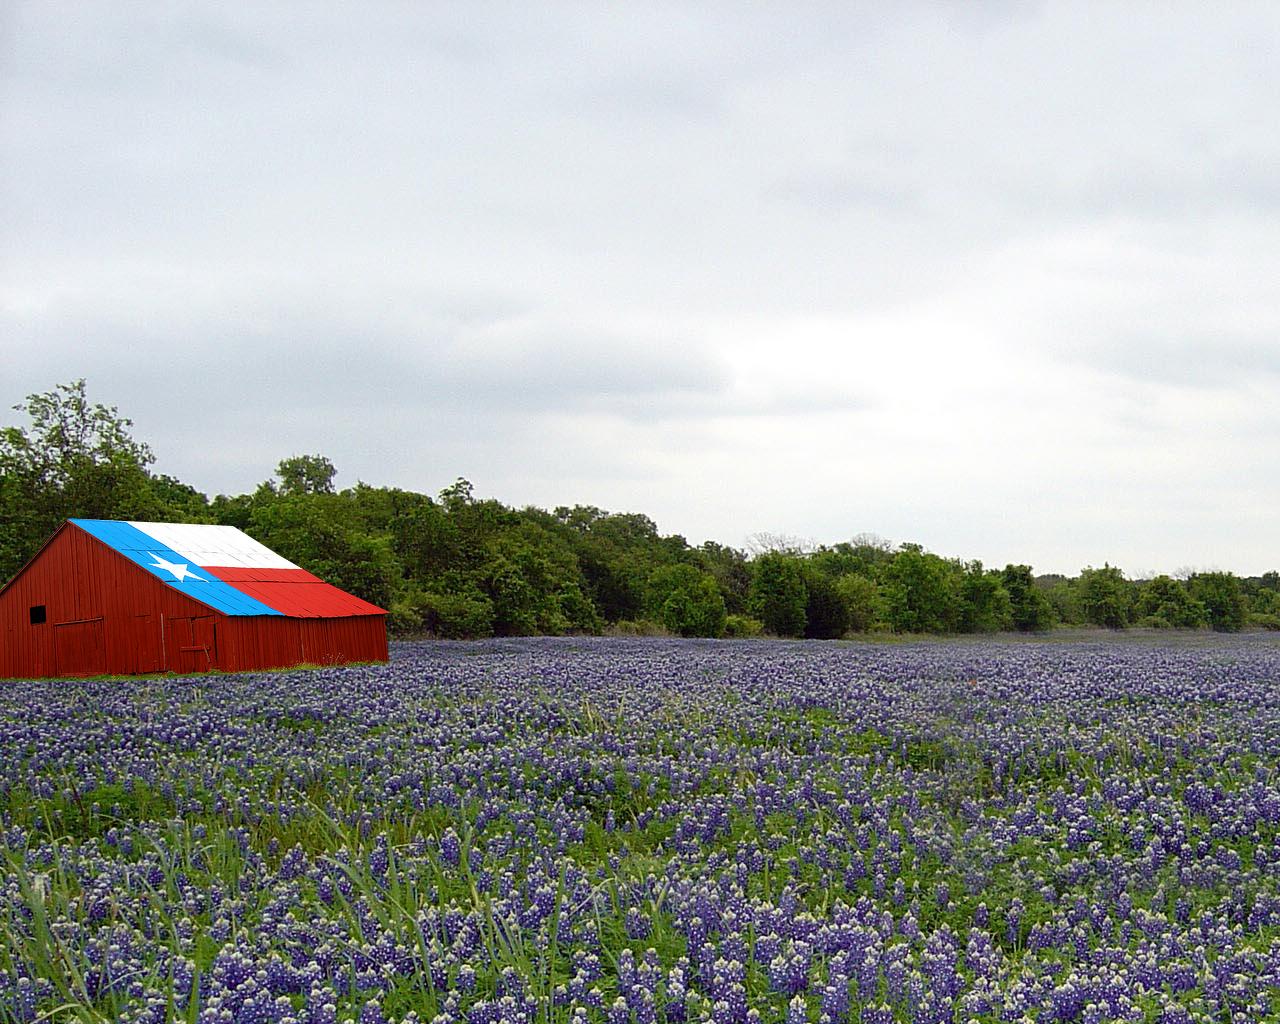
column 179, row 569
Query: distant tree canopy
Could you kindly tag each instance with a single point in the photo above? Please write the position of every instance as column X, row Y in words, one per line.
column 460, row 566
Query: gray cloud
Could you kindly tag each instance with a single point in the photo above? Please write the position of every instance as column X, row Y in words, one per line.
column 668, row 257
column 1225, row 360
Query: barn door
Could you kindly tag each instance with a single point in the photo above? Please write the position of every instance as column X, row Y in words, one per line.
column 79, row 648
column 192, row 644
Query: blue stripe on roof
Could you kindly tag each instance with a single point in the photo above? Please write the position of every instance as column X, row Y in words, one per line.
column 201, row 585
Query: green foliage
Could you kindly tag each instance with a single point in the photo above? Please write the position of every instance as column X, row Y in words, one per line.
column 1223, row 601
column 1104, row 596
column 985, row 606
column 1163, row 602
column 1029, row 608
column 731, row 571
column 778, row 596
column 1063, row 599
column 862, row 601
column 742, row 626
column 306, row 474
column 826, row 616
column 462, row 566
column 922, row 592
column 465, row 614
column 76, row 459
column 638, row 627
column 686, row 601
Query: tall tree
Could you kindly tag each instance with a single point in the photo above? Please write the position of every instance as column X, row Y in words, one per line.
column 778, row 593
column 922, row 592
column 1029, row 607
column 1105, row 596
column 306, row 474
column 1223, row 601
column 76, row 459
column 686, row 601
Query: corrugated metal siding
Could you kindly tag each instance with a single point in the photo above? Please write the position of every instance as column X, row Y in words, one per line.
column 225, row 569
column 294, row 592
column 164, row 563
column 107, row 615
column 78, row 580
column 278, row 643
column 214, row 545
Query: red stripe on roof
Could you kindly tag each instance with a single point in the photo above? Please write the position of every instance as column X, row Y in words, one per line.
column 252, row 574
column 294, row 592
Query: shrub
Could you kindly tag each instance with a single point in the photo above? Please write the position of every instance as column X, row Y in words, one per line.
column 863, row 603
column 458, row 616
column 826, row 615
column 686, row 601
column 404, row 618
column 778, row 594
column 1223, row 601
column 742, row 626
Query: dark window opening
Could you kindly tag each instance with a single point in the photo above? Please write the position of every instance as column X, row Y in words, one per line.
column 37, row 614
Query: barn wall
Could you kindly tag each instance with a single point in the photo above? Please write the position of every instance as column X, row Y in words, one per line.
column 278, row 642
column 103, row 614
column 106, row 615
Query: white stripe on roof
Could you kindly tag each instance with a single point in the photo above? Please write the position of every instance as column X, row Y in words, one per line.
column 214, row 545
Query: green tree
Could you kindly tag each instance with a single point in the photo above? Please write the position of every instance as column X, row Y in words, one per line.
column 862, row 602
column 1163, row 601
column 426, row 540
column 76, row 459
column 985, row 606
column 686, row 601
column 1223, row 601
column 1060, row 592
column 778, row 594
column 1105, row 596
column 826, row 615
column 922, row 592
column 1029, row 608
column 731, row 571
column 306, row 474
column 457, row 611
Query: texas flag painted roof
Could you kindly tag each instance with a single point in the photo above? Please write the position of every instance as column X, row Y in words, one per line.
column 226, row 569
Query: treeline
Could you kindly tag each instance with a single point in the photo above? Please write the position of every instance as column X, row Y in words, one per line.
column 460, row 566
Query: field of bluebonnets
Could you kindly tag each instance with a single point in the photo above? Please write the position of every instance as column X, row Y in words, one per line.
column 613, row 831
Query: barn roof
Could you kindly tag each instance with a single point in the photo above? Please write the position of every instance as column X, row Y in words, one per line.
column 225, row 569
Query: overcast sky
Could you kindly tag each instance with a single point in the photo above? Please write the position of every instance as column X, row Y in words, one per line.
column 1002, row 279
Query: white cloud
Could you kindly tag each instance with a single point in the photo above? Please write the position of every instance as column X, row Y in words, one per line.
column 999, row 279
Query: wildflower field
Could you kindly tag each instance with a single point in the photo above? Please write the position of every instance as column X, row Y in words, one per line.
column 610, row 831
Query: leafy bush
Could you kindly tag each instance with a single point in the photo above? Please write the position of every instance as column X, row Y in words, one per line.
column 1105, row 597
column 686, row 601
column 1223, row 601
column 742, row 626
column 826, row 616
column 458, row 616
column 778, row 594
column 862, row 602
column 404, row 617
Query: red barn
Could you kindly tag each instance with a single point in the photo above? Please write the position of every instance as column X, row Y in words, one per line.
column 107, row 598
